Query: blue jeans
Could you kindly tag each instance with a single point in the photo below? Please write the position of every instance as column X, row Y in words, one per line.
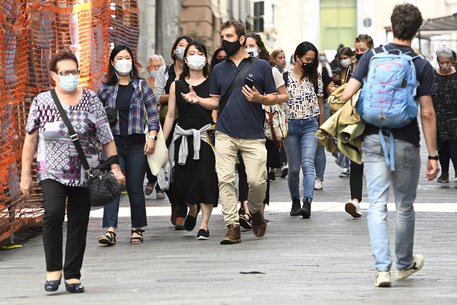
column 404, row 181
column 300, row 145
column 320, row 160
column 133, row 162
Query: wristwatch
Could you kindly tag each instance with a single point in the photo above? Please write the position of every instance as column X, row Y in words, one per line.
column 153, row 137
column 433, row 157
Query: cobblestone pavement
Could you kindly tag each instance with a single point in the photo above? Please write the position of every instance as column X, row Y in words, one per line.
column 323, row 260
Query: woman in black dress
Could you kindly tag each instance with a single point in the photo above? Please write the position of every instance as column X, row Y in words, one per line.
column 194, row 174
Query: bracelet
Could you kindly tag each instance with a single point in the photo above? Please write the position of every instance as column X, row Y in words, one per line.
column 433, row 157
column 113, row 160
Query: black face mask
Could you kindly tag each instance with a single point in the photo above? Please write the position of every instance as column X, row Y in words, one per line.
column 219, row 60
column 358, row 56
column 231, row 47
column 307, row 67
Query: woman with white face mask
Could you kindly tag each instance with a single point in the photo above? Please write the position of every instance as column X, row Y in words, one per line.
column 59, row 169
column 131, row 101
column 154, row 63
column 195, row 179
column 345, row 65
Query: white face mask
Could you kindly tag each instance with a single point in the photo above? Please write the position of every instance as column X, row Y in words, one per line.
column 123, row 67
column 196, row 62
column 254, row 52
column 345, row 62
column 179, row 53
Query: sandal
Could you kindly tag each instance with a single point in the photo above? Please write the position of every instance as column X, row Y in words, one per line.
column 148, row 189
column 109, row 238
column 137, row 239
column 245, row 221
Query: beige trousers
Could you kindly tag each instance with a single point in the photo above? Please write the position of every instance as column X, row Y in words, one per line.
column 254, row 156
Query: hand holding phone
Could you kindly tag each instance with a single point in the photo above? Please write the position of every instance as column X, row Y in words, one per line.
column 249, row 82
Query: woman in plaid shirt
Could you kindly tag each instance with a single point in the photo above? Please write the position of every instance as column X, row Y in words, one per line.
column 136, row 110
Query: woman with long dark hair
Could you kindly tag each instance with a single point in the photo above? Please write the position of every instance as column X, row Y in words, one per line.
column 136, row 110
column 305, row 113
column 194, row 175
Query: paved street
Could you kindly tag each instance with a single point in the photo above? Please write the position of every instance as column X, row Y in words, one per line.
column 323, row 260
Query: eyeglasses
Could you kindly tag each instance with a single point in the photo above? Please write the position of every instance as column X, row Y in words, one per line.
column 68, row 72
column 155, row 67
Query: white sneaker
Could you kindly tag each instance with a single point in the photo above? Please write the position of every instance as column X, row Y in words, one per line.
column 416, row 265
column 352, row 207
column 383, row 279
column 344, row 173
column 318, row 184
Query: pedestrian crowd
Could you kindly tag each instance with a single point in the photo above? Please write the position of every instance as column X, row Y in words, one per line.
column 211, row 110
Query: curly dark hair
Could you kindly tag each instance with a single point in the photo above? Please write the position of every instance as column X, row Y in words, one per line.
column 264, row 54
column 406, row 20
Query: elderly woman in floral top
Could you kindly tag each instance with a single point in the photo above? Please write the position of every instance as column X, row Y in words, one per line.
column 305, row 113
column 60, row 172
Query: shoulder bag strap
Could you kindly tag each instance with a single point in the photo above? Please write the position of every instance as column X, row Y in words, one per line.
column 234, row 84
column 183, row 84
column 73, row 135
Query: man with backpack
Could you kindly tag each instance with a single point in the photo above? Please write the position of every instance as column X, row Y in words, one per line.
column 391, row 152
column 240, row 85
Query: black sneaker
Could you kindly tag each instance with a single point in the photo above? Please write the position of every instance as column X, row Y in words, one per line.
column 271, row 176
column 203, row 234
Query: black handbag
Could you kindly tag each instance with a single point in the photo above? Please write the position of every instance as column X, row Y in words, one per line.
column 111, row 113
column 102, row 185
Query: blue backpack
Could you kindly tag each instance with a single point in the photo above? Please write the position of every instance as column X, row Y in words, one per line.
column 387, row 98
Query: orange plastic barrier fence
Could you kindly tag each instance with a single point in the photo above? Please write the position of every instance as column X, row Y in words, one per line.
column 32, row 31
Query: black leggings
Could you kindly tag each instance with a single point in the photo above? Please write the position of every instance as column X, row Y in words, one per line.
column 55, row 196
column 356, row 180
column 449, row 151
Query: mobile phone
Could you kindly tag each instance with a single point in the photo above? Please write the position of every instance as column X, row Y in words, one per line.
column 249, row 82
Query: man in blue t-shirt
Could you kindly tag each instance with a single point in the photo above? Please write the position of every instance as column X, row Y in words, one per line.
column 406, row 20
column 240, row 127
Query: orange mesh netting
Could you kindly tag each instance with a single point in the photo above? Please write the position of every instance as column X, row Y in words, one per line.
column 32, row 31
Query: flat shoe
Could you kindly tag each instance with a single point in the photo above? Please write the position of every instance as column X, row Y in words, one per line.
column 190, row 222
column 52, row 285
column 74, row 288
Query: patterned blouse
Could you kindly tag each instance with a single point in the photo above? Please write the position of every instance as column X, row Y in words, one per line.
column 303, row 102
column 57, row 157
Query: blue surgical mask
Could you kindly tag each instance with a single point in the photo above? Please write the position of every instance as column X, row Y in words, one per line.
column 153, row 74
column 253, row 52
column 69, row 83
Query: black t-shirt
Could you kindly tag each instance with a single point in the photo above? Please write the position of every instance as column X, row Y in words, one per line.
column 425, row 77
column 124, row 108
